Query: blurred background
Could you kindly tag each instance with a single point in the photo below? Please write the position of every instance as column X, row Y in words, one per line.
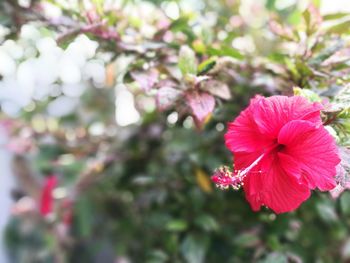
column 112, row 121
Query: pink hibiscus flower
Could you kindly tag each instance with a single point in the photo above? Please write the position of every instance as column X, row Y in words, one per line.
column 281, row 151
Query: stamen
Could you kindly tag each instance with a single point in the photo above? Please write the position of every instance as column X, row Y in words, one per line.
column 224, row 178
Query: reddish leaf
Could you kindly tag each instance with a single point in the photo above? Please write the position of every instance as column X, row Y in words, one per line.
column 217, row 88
column 146, row 80
column 281, row 30
column 167, row 96
column 199, row 79
column 343, row 169
column 316, row 17
column 340, row 56
column 202, row 105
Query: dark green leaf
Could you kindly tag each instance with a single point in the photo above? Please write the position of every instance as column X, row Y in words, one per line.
column 194, row 248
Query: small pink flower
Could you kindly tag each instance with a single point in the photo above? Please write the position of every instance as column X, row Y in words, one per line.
column 47, row 200
column 19, row 145
column 281, row 151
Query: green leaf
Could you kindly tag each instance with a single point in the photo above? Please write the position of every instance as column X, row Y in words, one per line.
column 270, row 4
column 98, row 6
column 157, row 256
column 207, row 223
column 303, row 68
column 326, row 53
column 187, row 61
column 206, row 65
column 275, row 258
column 143, row 180
column 345, row 202
column 199, row 46
column 225, row 51
column 312, row 19
column 292, row 68
column 294, row 19
column 83, row 214
column 317, row 3
column 307, row 17
column 247, row 240
column 194, row 248
column 327, row 212
column 176, row 225
column 335, row 16
column 309, row 94
column 341, row 28
column 277, row 57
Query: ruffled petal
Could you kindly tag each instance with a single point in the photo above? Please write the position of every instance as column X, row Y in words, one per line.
column 243, row 135
column 270, row 185
column 271, row 114
column 282, row 192
column 253, row 184
column 291, row 167
column 314, row 150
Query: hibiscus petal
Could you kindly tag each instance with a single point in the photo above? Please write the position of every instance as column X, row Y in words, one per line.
column 272, row 113
column 280, row 192
column 242, row 161
column 315, row 151
column 290, row 166
column 243, row 134
column 270, row 185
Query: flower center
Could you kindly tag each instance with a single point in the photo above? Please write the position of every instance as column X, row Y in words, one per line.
column 280, row 147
